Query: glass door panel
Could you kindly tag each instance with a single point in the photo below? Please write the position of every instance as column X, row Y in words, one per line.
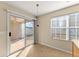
column 17, row 30
column 29, row 27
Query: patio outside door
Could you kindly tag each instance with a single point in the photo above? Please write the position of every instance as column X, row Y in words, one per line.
column 16, row 31
column 20, row 33
column 29, row 28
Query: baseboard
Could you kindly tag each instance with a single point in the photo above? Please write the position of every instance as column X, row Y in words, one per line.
column 54, row 47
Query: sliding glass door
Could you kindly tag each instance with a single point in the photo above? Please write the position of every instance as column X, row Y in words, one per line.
column 29, row 34
column 20, row 33
column 16, row 33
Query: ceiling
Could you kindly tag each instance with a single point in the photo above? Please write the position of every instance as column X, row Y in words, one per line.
column 44, row 6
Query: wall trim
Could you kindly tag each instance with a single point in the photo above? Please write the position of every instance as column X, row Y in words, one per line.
column 43, row 43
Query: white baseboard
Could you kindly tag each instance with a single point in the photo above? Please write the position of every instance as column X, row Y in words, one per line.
column 54, row 47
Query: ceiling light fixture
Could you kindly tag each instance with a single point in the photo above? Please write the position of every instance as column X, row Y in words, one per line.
column 37, row 5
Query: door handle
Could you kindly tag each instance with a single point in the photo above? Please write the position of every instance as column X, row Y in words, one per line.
column 9, row 33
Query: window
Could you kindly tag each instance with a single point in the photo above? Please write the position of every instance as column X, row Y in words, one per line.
column 59, row 28
column 65, row 27
column 77, row 20
column 72, row 33
column 72, row 20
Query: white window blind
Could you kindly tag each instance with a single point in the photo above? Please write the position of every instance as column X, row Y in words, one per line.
column 65, row 27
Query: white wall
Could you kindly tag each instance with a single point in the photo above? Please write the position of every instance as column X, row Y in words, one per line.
column 3, row 20
column 44, row 29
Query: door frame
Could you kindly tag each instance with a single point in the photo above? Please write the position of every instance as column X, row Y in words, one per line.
column 9, row 14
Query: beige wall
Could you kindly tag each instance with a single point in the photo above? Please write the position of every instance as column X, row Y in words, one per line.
column 44, row 29
column 2, row 33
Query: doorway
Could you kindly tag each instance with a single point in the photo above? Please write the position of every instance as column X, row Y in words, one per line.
column 20, row 33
